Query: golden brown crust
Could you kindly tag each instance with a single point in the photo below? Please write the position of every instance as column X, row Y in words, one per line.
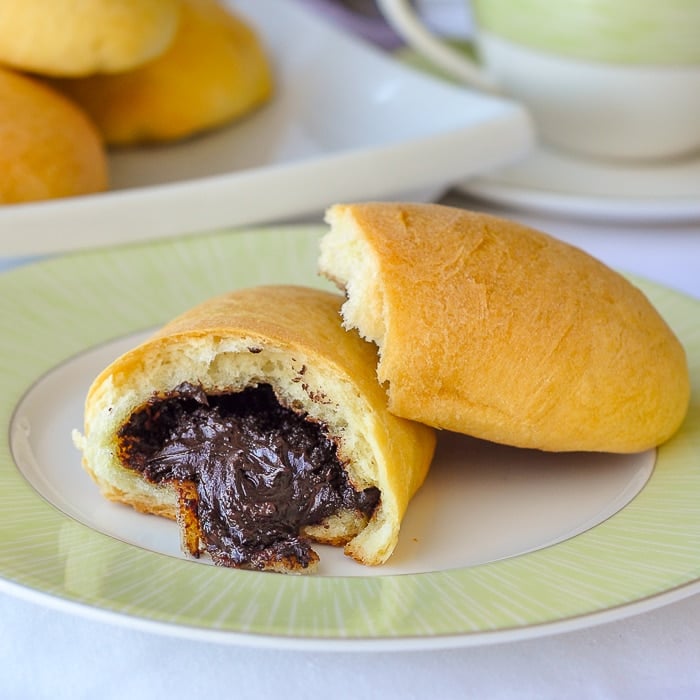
column 491, row 328
column 215, row 70
column 48, row 146
column 290, row 338
column 72, row 37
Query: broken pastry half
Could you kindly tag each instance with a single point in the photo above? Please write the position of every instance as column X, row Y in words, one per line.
column 258, row 423
column 493, row 329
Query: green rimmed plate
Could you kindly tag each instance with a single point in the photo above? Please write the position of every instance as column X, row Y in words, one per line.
column 500, row 544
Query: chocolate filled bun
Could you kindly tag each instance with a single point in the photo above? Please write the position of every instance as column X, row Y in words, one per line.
column 74, row 37
column 258, row 423
column 493, row 329
column 49, row 148
column 214, row 71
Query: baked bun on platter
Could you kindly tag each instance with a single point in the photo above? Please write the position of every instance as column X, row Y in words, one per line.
column 48, row 146
column 257, row 422
column 80, row 37
column 496, row 330
column 215, row 70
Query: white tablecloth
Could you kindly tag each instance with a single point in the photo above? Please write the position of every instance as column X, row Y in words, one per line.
column 46, row 654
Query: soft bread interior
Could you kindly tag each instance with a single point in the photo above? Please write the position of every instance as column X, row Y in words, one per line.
column 351, row 263
column 493, row 329
column 290, row 339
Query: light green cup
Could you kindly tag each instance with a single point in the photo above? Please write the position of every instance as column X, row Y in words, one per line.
column 611, row 79
column 632, row 32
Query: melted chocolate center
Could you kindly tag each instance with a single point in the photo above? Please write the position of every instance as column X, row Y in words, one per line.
column 262, row 472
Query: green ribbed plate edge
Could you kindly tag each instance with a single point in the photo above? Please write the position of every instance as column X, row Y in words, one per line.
column 646, row 554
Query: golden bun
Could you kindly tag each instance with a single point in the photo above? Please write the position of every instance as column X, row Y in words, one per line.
column 48, row 146
column 215, row 70
column 291, row 339
column 496, row 330
column 79, row 37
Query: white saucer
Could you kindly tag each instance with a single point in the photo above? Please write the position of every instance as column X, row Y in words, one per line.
column 556, row 183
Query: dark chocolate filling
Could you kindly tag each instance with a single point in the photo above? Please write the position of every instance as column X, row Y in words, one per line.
column 262, row 472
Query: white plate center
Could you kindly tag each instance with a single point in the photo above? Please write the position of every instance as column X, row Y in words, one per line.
column 481, row 502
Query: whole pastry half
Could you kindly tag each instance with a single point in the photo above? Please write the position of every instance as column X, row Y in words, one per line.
column 493, row 329
column 49, row 148
column 75, row 37
column 215, row 70
column 257, row 422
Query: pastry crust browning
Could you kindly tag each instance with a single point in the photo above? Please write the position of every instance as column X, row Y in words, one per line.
column 490, row 328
